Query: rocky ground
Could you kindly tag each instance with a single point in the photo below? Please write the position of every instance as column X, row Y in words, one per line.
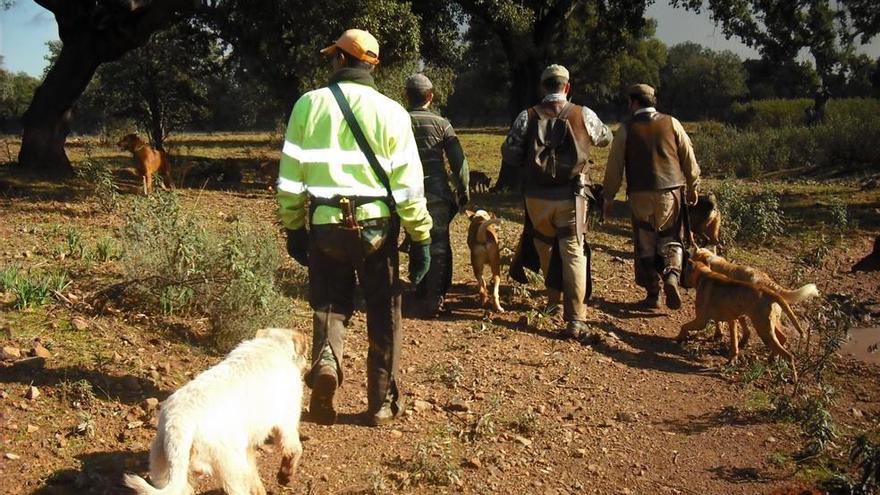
column 497, row 402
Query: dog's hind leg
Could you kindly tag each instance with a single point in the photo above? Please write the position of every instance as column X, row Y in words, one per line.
column 734, row 340
column 159, row 467
column 288, row 439
column 495, row 263
column 768, row 333
column 481, row 284
column 745, row 331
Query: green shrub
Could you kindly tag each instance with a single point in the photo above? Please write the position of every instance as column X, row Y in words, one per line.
column 101, row 182
column 838, row 144
column 775, row 113
column 180, row 266
column 32, row 289
column 75, row 247
column 106, row 249
column 749, row 218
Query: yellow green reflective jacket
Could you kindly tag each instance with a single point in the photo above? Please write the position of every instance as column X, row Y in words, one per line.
column 321, row 159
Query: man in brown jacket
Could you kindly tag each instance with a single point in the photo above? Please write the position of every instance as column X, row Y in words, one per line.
column 551, row 205
column 655, row 153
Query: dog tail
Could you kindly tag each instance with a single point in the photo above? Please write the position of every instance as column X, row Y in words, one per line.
column 176, row 451
column 780, row 300
column 798, row 295
column 481, row 230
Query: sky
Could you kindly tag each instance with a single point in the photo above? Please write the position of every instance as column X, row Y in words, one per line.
column 26, row 27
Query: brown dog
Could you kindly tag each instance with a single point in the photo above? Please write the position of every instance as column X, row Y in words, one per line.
column 478, row 181
column 147, row 161
column 485, row 249
column 753, row 276
column 705, row 220
column 724, row 300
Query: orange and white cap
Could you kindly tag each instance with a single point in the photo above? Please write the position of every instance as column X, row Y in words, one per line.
column 357, row 43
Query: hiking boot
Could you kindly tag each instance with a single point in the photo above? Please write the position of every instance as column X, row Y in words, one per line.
column 324, row 383
column 575, row 330
column 652, row 300
column 670, row 289
column 385, row 414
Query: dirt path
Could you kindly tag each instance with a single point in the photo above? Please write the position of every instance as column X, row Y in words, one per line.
column 498, row 404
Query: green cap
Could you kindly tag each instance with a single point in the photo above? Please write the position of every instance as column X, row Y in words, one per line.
column 554, row 70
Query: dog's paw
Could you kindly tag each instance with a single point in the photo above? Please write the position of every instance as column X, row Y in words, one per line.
column 498, row 308
column 284, row 476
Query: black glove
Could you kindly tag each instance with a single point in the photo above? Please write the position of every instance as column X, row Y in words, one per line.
column 419, row 261
column 298, row 245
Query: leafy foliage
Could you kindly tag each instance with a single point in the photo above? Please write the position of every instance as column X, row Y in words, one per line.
column 16, row 91
column 697, row 82
column 299, row 30
column 750, row 218
column 161, row 86
column 174, row 262
column 780, row 29
column 32, row 289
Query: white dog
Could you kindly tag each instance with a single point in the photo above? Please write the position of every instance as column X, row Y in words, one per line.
column 212, row 425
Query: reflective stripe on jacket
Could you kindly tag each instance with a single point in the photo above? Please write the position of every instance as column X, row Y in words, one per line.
column 321, row 158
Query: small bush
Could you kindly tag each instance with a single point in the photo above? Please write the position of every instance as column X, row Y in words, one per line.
column 106, row 249
column 102, row 183
column 79, row 394
column 75, row 247
column 431, row 464
column 177, row 264
column 749, row 218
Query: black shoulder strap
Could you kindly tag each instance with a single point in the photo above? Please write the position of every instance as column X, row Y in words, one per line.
column 362, row 141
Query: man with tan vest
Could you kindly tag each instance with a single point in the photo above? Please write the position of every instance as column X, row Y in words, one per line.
column 549, row 146
column 655, row 153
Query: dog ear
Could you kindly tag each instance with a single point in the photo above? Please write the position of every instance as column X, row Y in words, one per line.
column 469, row 213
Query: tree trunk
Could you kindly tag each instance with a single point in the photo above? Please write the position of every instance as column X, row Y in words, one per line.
column 524, row 93
column 46, row 123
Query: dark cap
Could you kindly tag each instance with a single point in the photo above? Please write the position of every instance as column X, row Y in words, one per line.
column 419, row 82
column 641, row 89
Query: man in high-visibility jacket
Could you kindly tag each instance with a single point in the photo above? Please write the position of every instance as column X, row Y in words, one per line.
column 325, row 179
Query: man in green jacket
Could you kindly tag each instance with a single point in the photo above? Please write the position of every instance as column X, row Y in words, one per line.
column 436, row 138
column 326, row 179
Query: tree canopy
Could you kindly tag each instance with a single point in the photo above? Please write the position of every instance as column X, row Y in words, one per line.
column 699, row 83
column 781, row 29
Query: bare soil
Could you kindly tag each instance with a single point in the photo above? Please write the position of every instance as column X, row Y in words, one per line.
column 497, row 402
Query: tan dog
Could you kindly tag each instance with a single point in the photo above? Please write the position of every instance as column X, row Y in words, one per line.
column 724, row 300
column 147, row 161
column 485, row 249
column 213, row 424
column 755, row 277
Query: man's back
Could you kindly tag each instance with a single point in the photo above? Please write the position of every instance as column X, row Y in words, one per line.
column 652, row 153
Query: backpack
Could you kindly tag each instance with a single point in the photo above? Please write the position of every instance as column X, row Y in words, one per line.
column 558, row 145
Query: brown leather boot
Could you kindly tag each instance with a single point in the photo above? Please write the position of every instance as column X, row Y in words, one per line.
column 324, row 383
